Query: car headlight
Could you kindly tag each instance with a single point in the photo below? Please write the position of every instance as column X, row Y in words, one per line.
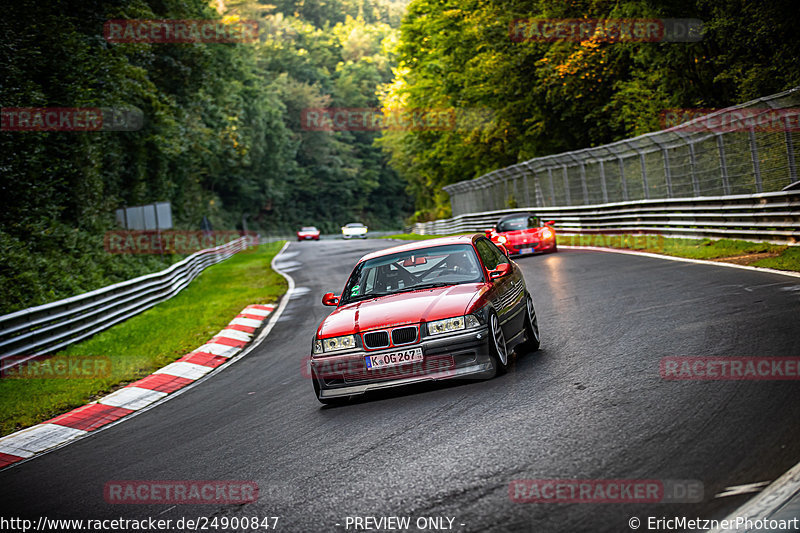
column 452, row 324
column 502, row 239
column 334, row 344
column 547, row 233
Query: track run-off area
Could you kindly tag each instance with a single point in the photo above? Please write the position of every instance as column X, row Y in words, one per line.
column 591, row 404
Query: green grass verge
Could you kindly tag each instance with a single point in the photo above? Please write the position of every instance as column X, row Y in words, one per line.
column 148, row 341
column 760, row 254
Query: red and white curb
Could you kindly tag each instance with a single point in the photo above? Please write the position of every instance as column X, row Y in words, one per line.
column 138, row 395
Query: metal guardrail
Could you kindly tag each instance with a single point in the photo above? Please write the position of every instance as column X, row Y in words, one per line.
column 767, row 217
column 47, row 328
column 744, row 149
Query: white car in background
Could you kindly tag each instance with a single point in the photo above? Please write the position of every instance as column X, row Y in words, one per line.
column 354, row 230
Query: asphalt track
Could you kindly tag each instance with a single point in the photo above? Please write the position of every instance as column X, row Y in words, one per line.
column 589, row 405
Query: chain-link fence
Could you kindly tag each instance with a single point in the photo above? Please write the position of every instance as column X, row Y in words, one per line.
column 744, row 149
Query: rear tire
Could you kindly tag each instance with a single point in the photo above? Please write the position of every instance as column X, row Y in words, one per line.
column 531, row 326
column 497, row 345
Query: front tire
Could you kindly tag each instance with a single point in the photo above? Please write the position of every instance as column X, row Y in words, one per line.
column 497, row 345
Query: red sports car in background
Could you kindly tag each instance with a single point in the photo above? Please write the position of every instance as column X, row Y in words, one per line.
column 308, row 233
column 523, row 233
column 445, row 308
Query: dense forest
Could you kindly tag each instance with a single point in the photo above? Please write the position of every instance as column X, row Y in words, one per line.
column 223, row 135
column 549, row 97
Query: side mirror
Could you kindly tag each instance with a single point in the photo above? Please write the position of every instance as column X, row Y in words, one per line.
column 550, row 223
column 501, row 270
column 489, row 232
column 330, row 299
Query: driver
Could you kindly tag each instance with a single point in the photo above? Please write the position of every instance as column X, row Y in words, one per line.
column 462, row 264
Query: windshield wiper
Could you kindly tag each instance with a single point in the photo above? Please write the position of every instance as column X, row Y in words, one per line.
column 398, row 291
column 419, row 287
column 425, row 286
column 368, row 296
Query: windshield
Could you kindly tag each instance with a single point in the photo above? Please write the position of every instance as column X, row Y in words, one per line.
column 438, row 266
column 518, row 223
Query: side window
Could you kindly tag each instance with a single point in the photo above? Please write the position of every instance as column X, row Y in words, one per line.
column 491, row 256
column 498, row 253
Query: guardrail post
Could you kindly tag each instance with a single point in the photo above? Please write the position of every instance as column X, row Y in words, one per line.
column 622, row 179
column 603, row 182
column 552, row 187
column 645, row 187
column 692, row 166
column 566, row 185
column 667, row 172
column 537, row 189
column 754, row 156
column 539, row 195
column 525, row 189
column 582, row 168
column 790, row 150
column 723, row 164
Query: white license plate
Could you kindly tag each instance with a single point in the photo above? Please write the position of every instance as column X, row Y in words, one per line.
column 393, row 358
column 526, row 250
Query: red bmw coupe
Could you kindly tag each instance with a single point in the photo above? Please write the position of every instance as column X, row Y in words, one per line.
column 523, row 233
column 445, row 308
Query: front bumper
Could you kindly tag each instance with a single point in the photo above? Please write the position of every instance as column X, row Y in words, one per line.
column 453, row 356
column 534, row 247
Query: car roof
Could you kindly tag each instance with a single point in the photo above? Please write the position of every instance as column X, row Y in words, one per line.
column 419, row 245
column 515, row 215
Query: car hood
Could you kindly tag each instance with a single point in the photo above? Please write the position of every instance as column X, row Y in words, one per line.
column 398, row 309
